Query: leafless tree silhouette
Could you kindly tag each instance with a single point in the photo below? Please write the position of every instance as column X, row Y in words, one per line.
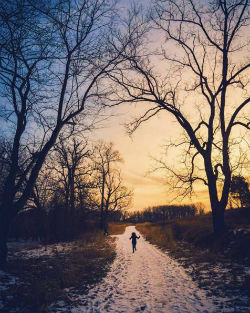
column 112, row 195
column 71, row 167
column 200, row 76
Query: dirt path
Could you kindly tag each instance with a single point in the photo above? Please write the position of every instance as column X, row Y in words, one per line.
column 146, row 281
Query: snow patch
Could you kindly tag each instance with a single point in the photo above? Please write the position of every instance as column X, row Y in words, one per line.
column 244, row 231
column 6, row 281
column 30, row 251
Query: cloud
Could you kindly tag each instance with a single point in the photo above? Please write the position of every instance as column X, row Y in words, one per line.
column 137, row 179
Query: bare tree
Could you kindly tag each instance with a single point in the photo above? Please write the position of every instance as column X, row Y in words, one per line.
column 117, row 197
column 44, row 189
column 200, row 77
column 112, row 195
column 71, row 168
column 5, row 148
column 54, row 57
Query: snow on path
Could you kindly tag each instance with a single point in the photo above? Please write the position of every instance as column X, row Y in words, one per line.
column 146, row 281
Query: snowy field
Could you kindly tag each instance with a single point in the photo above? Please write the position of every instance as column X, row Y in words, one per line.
column 146, row 281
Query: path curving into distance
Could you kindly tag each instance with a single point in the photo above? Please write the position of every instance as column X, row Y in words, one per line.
column 146, row 281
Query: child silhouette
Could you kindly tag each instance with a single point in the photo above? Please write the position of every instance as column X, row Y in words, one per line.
column 134, row 240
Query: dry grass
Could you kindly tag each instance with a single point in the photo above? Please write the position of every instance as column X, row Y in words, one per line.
column 43, row 280
column 117, row 228
column 198, row 232
column 158, row 234
column 183, row 238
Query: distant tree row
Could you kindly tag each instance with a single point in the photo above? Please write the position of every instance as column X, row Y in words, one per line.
column 57, row 224
column 239, row 198
column 164, row 213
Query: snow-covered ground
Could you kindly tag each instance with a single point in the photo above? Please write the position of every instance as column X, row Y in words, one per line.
column 146, row 281
column 6, row 281
column 33, row 249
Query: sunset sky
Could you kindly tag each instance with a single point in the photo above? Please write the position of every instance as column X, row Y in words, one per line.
column 137, row 152
column 147, row 142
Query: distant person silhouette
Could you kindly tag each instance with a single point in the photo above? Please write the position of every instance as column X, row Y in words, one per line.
column 134, row 241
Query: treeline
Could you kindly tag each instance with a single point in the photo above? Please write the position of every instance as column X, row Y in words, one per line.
column 58, row 224
column 164, row 213
column 80, row 187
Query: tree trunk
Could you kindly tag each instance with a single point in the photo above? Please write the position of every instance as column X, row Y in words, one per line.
column 72, row 192
column 8, row 211
column 102, row 222
column 218, row 220
column 5, row 221
column 105, row 220
column 3, row 245
column 105, row 224
column 218, row 207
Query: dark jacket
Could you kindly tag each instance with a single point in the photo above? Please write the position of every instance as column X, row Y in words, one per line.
column 134, row 237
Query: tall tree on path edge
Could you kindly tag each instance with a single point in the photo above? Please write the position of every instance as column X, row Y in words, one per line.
column 199, row 76
column 55, row 57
